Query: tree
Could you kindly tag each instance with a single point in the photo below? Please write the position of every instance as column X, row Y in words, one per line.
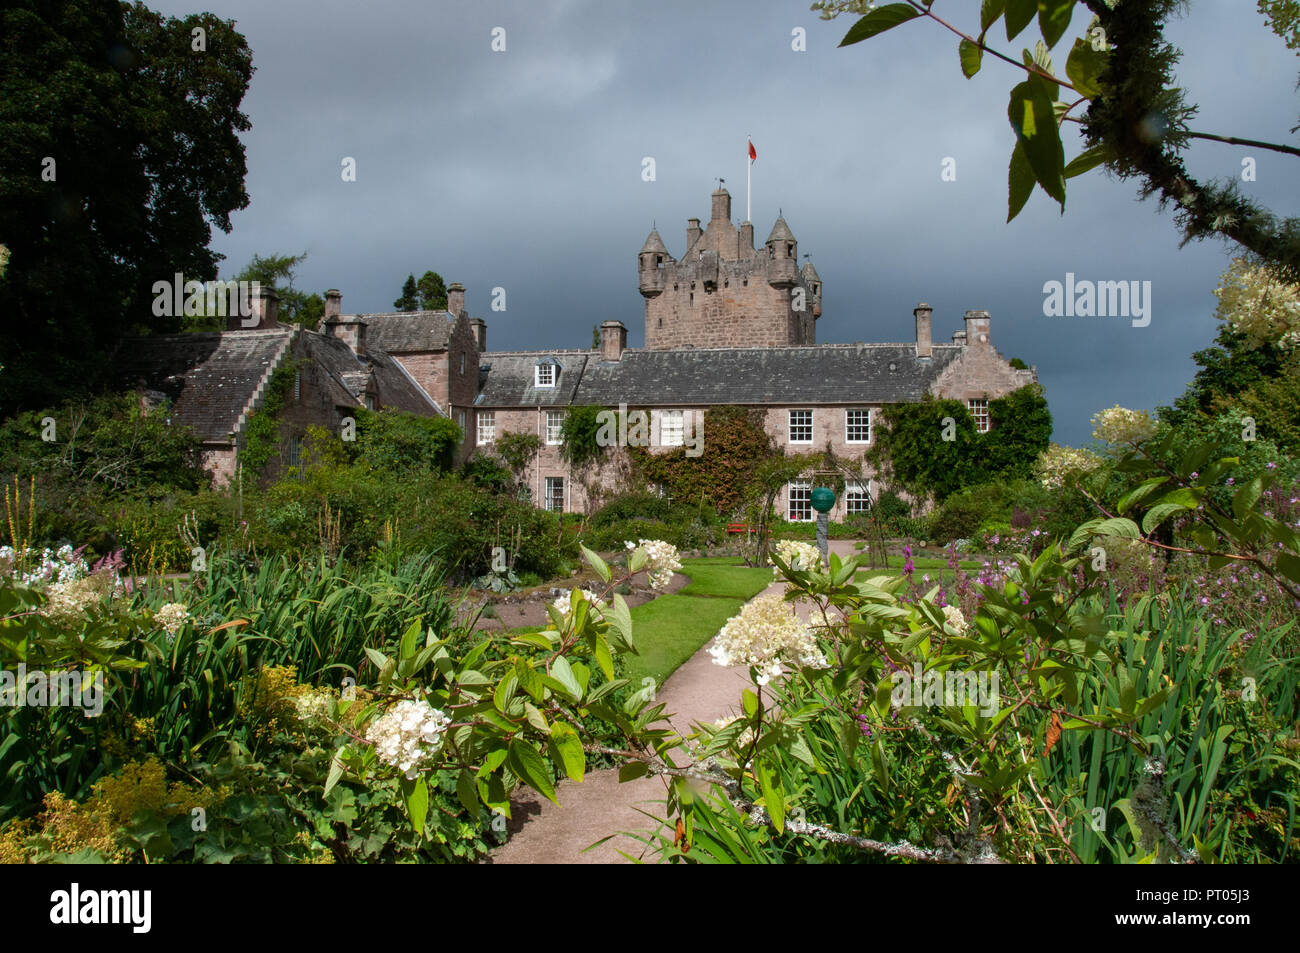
column 409, row 300
column 1254, row 367
column 113, row 170
column 277, row 273
column 432, row 291
column 1135, row 121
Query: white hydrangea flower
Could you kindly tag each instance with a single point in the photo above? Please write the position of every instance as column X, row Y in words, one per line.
column 766, row 635
column 952, row 616
column 171, row 617
column 407, row 735
column 563, row 603
column 662, row 560
column 1057, row 463
column 798, row 556
column 313, row 706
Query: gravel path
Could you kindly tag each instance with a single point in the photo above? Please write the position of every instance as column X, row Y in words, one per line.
column 542, row 833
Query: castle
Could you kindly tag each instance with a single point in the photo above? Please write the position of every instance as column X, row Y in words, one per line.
column 727, row 323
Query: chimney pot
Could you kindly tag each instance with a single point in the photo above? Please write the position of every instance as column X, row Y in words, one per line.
column 333, row 304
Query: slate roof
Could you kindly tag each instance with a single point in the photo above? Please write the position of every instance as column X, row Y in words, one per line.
column 396, row 390
column 400, row 332
column 509, row 380
column 821, row 374
column 210, row 378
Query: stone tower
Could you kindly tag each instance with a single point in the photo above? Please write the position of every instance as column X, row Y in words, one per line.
column 726, row 293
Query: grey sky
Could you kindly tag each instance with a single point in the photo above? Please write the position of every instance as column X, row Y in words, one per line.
column 522, row 169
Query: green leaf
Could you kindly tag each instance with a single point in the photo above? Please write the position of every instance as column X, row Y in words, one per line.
column 632, row 770
column 1033, row 119
column 878, row 21
column 990, row 10
column 562, row 672
column 750, row 702
column 336, row 771
column 410, row 640
column 620, row 618
column 1244, row 500
column 529, row 679
column 596, row 563
column 603, row 658
column 566, row 750
column 1084, row 67
column 1088, row 159
column 1288, row 564
column 415, row 795
column 1054, row 19
column 527, row 762
column 971, row 57
column 1018, row 15
column 466, row 791
column 1159, row 513
column 773, row 795
column 1020, row 182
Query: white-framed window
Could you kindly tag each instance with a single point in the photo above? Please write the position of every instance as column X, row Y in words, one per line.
column 554, row 498
column 554, row 427
column 671, row 428
column 370, row 401
column 487, row 427
column 857, row 426
column 801, row 426
column 979, row 409
column 857, row 496
column 544, row 375
column 799, row 495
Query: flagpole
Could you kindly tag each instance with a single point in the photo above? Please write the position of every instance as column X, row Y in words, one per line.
column 749, row 169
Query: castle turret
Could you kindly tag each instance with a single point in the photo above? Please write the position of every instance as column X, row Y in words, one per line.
column 782, row 250
column 813, row 282
column 650, row 262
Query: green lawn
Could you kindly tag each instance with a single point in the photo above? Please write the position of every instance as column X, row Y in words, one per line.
column 671, row 629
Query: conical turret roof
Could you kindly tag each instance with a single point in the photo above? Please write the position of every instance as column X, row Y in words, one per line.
column 654, row 243
column 780, row 232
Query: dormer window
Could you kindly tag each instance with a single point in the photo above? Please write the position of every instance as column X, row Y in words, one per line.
column 545, row 373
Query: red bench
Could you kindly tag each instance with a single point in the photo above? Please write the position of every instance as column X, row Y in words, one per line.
column 734, row 528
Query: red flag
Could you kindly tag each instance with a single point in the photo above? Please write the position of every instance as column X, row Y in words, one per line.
column 752, row 154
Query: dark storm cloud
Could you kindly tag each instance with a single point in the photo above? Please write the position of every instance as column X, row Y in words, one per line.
column 521, row 170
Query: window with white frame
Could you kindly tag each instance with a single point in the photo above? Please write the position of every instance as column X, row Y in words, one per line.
column 487, row 426
column 671, row 428
column 544, row 374
column 857, row 496
column 554, row 499
column 554, row 427
column 979, row 409
column 857, row 426
column 800, row 508
column 801, row 426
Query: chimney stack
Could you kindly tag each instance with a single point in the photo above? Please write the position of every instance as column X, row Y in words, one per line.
column 924, row 346
column 352, row 333
column 613, row 341
column 721, row 206
column 693, row 232
column 455, row 298
column 480, row 333
column 265, row 316
column 977, row 328
column 333, row 305
column 747, row 235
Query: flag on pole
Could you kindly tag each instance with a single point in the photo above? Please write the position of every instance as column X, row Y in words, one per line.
column 752, row 154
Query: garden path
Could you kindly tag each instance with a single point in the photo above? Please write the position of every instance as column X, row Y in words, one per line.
column 542, row 833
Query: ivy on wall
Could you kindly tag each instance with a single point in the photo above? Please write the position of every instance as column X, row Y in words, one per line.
column 932, row 447
column 262, row 430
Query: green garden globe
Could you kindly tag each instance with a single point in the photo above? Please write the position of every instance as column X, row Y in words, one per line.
column 823, row 498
